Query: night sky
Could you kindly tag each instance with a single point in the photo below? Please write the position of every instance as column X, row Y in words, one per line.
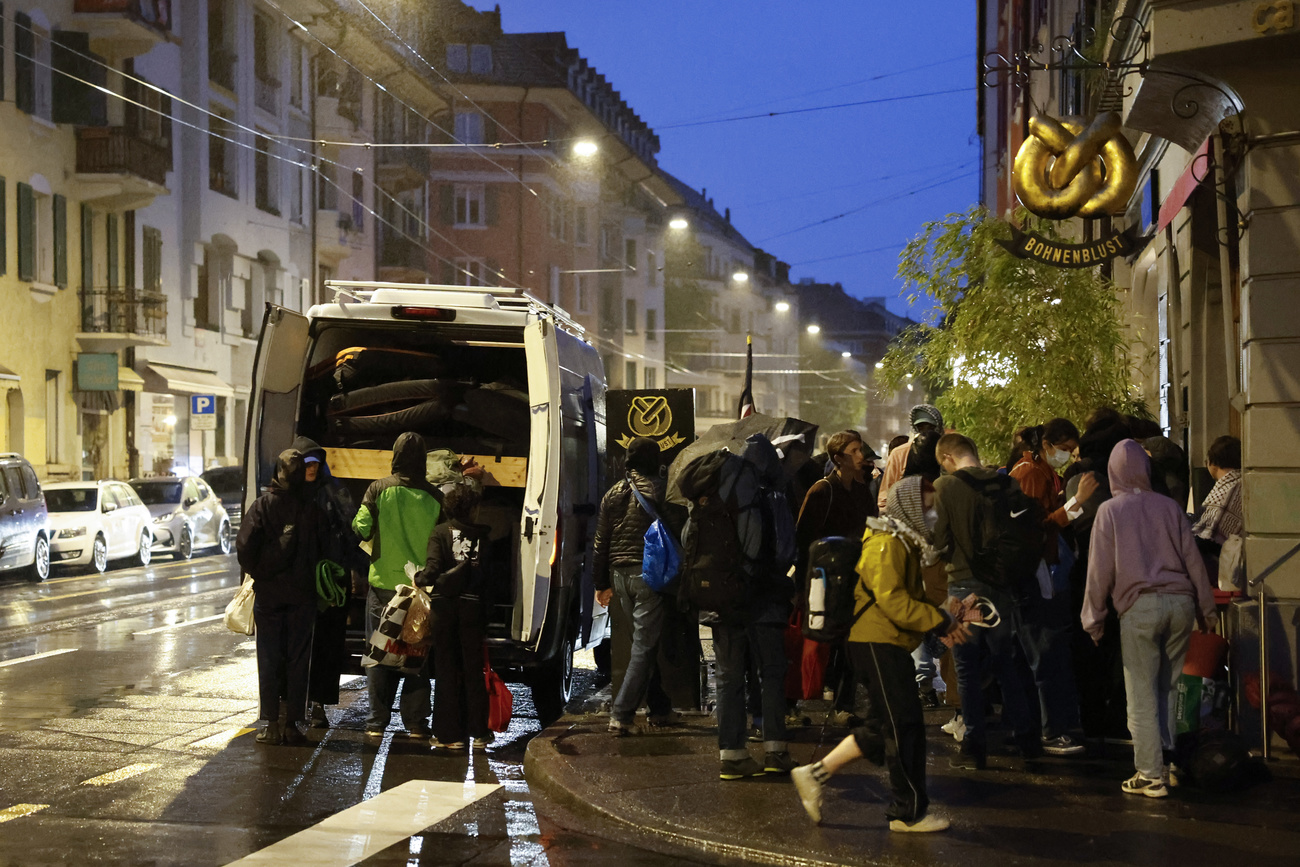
column 902, row 163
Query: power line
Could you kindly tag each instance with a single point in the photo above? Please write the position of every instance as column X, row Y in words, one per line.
column 894, row 246
column 838, row 187
column 822, row 107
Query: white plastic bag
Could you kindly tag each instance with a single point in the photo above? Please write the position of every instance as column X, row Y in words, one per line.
column 1232, row 564
column 239, row 612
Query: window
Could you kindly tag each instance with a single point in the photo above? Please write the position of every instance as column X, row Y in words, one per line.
column 469, row 127
column 296, row 187
column 582, row 291
column 652, row 325
column 457, row 57
column 470, row 209
column 42, row 240
column 295, row 74
column 223, row 156
column 480, row 59
column 629, row 316
column 580, row 235
column 651, row 269
column 32, row 64
column 53, row 405
column 469, row 272
column 266, row 63
column 651, row 377
column 629, row 374
column 221, row 59
column 31, row 487
column 629, row 254
column 152, row 239
column 265, row 177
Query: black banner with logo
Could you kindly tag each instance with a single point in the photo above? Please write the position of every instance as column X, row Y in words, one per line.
column 1027, row 245
column 665, row 415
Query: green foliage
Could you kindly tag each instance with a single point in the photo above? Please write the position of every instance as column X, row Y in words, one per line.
column 1010, row 342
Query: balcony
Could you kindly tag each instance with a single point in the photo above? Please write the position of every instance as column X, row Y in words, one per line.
column 266, row 94
column 399, row 169
column 401, row 260
column 334, row 235
column 119, row 169
column 112, row 319
column 123, row 28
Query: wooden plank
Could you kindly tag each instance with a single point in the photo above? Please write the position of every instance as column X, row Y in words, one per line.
column 371, row 464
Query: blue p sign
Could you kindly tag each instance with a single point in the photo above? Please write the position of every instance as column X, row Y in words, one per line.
column 203, row 404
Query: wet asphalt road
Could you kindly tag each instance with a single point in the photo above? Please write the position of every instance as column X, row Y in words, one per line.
column 126, row 714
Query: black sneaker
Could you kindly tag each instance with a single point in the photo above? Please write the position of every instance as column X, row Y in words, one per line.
column 293, row 735
column 1063, row 746
column 930, row 698
column 272, row 734
column 756, row 735
column 779, row 763
column 318, row 718
column 738, row 769
column 971, row 757
column 664, row 720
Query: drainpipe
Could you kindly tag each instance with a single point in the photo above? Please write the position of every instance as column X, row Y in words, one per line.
column 1231, row 346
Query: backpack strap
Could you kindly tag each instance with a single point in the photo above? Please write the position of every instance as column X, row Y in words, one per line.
column 640, row 498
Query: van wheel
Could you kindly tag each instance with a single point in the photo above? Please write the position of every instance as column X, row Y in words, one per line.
column 40, row 568
column 552, row 685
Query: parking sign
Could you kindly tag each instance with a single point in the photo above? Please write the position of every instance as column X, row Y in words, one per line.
column 203, row 412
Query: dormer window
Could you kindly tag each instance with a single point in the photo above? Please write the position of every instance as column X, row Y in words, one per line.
column 480, row 59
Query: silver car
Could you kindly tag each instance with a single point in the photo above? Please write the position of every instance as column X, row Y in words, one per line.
column 187, row 515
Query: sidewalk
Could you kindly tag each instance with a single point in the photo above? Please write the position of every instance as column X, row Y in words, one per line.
column 664, row 787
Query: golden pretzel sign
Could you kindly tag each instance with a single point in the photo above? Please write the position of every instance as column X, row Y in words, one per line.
column 650, row 416
column 1065, row 169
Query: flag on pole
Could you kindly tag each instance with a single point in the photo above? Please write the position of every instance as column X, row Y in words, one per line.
column 747, row 407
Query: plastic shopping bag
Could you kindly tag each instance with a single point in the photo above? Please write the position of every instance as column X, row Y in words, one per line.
column 239, row 611
column 501, row 704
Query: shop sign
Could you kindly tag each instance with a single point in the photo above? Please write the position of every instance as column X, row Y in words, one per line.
column 203, row 412
column 1027, row 245
column 665, row 415
column 97, row 371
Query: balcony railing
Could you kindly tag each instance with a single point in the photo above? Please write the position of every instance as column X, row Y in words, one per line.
column 266, row 94
column 402, row 168
column 124, row 311
column 154, row 13
column 121, row 150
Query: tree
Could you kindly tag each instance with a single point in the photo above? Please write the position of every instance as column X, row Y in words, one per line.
column 1009, row 341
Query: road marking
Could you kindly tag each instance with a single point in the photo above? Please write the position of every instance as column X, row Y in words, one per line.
column 220, row 739
column 17, row 811
column 359, row 832
column 120, row 774
column 36, row 656
column 196, row 575
column 158, row 629
column 70, row 595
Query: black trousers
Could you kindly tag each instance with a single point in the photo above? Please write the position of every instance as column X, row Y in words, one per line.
column 284, row 634
column 329, row 654
column 460, row 690
column 894, row 731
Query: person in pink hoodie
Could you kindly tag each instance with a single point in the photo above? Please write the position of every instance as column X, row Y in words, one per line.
column 1143, row 556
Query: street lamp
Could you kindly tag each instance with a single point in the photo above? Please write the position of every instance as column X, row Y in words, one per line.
column 740, row 277
column 783, row 307
column 879, row 365
column 814, row 329
column 846, row 354
column 678, row 223
column 584, row 148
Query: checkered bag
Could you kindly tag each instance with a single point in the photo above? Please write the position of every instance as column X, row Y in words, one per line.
column 386, row 646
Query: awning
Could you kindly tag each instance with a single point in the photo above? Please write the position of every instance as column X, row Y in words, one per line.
column 169, row 379
column 8, row 379
column 129, row 380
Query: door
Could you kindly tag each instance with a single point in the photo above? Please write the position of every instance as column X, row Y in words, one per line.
column 273, row 410
column 538, row 543
column 12, row 526
column 114, row 515
column 205, row 513
column 136, row 518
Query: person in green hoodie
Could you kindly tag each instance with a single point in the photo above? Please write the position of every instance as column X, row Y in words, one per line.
column 397, row 516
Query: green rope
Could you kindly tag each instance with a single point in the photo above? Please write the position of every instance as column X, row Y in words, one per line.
column 329, row 586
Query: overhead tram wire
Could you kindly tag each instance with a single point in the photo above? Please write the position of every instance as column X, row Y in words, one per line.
column 820, row 108
column 896, row 246
column 449, row 133
column 839, row 187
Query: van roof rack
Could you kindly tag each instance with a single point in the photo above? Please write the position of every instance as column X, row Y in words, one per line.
column 363, row 290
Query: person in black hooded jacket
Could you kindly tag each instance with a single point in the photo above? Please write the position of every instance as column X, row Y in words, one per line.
column 280, row 541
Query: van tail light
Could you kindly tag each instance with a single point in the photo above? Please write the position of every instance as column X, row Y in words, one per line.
column 426, row 314
column 555, row 546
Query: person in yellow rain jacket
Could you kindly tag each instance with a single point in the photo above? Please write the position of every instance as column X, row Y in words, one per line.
column 897, row 617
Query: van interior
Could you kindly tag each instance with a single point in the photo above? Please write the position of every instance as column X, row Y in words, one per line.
column 463, row 390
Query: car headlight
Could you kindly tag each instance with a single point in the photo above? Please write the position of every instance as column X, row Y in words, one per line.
column 72, row 532
column 163, row 519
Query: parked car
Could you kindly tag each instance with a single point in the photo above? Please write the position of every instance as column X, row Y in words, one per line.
column 94, row 522
column 228, row 482
column 24, row 522
column 187, row 515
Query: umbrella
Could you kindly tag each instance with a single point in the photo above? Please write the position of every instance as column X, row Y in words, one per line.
column 793, row 438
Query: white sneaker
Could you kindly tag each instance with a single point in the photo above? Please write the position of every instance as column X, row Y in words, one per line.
column 1140, row 785
column 956, row 727
column 1171, row 776
column 810, row 791
column 925, row 825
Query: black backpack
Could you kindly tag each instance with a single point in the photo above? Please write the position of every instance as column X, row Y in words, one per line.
column 713, row 573
column 828, row 589
column 1011, row 533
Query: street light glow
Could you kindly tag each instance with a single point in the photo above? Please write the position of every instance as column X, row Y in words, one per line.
column 584, row 148
column 169, row 420
column 678, row 223
column 814, row 329
column 846, row 354
column 783, row 307
column 740, row 277
column 880, row 365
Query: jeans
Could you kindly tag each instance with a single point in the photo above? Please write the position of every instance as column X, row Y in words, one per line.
column 644, row 609
column 461, row 704
column 927, row 670
column 991, row 651
column 284, row 634
column 381, row 681
column 893, row 733
column 1153, row 635
column 766, row 642
column 1044, row 631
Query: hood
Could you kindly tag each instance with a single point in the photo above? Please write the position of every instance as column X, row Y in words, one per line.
column 309, row 447
column 288, row 471
column 1099, row 441
column 762, row 454
column 1129, row 468
column 926, row 412
column 409, row 456
column 1165, row 452
column 905, row 518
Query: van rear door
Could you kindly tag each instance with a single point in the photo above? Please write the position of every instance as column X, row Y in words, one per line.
column 538, row 537
column 277, row 381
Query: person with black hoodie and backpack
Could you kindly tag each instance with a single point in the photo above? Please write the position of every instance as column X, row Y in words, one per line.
column 280, row 541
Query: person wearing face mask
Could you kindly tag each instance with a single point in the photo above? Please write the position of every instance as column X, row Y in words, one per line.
column 1045, row 614
column 895, row 616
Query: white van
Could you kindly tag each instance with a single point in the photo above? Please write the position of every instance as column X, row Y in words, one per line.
column 492, row 373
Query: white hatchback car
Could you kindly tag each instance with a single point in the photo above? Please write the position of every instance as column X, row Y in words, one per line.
column 94, row 522
column 187, row 514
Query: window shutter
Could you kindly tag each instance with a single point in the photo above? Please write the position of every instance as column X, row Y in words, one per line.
column 4, row 217
column 87, row 248
column 448, row 196
column 491, row 203
column 110, row 260
column 26, row 233
column 24, row 74
column 60, row 241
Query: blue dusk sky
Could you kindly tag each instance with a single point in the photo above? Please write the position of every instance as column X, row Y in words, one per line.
column 889, row 167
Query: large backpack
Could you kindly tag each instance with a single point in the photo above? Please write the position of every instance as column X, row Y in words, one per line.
column 1010, row 546
column 829, row 607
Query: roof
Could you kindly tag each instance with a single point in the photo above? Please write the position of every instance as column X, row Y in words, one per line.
column 839, row 313
column 704, row 210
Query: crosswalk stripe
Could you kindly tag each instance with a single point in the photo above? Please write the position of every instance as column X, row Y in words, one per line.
column 355, row 834
column 36, row 656
column 120, row 774
column 158, row 629
column 17, row 811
